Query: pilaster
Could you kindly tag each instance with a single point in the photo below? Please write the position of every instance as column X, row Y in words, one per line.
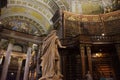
column 88, row 48
column 82, row 52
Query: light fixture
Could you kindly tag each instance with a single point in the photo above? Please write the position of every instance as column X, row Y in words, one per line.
column 12, row 73
column 102, row 25
column 103, row 34
column 98, row 54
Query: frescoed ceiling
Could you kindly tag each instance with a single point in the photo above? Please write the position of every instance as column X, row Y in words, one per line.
column 93, row 6
column 34, row 16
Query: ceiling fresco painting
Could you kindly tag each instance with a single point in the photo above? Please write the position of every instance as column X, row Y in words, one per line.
column 23, row 27
column 38, row 13
column 93, row 6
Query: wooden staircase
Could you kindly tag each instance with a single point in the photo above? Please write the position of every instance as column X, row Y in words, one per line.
column 103, row 66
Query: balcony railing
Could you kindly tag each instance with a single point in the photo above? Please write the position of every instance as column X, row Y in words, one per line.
column 102, row 38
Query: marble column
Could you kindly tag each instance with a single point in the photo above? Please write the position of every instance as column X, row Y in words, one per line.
column 19, row 68
column 32, row 70
column 7, row 60
column 82, row 52
column 88, row 48
column 38, row 62
column 27, row 63
column 1, row 52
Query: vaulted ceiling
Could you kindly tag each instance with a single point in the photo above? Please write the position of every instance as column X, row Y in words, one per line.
column 34, row 16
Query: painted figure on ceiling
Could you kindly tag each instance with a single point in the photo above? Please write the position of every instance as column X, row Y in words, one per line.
column 51, row 59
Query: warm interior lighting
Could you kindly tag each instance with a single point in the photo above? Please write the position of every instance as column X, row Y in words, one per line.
column 12, row 73
column 97, row 55
column 103, row 34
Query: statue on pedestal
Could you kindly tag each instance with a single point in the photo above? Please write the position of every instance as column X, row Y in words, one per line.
column 51, row 58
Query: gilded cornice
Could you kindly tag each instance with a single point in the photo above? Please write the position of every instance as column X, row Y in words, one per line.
column 92, row 18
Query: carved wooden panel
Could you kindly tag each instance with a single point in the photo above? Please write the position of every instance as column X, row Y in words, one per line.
column 72, row 28
column 75, row 24
column 112, row 27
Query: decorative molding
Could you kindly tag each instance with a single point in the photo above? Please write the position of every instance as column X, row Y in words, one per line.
column 21, row 17
column 92, row 18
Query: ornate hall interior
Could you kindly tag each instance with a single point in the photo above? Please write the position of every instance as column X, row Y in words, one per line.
column 90, row 30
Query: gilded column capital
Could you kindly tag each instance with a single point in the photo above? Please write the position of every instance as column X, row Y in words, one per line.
column 12, row 41
column 30, row 44
column 20, row 58
column 82, row 45
column 88, row 45
column 40, row 44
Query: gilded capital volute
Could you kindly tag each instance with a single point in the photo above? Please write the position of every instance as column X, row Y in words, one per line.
column 12, row 41
column 30, row 44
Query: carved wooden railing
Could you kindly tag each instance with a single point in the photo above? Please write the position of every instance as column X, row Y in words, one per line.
column 90, row 39
column 91, row 24
column 99, row 38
